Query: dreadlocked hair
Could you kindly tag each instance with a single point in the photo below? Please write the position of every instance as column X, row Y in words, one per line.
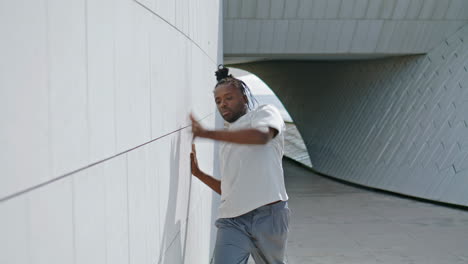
column 223, row 77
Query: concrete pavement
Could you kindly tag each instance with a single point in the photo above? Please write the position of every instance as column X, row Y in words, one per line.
column 335, row 223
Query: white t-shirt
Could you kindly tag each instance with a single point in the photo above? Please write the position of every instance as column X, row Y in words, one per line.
column 252, row 175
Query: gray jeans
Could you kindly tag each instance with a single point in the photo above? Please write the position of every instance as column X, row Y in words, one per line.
column 262, row 233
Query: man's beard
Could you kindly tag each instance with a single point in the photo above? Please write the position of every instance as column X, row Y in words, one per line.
column 233, row 116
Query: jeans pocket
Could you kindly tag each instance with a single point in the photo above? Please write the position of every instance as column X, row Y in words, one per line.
column 281, row 220
column 221, row 222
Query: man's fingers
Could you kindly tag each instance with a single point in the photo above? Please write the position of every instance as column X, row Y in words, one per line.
column 195, row 123
column 192, row 118
column 195, row 126
column 193, row 149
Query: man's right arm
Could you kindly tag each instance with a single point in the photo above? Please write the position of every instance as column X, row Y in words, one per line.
column 213, row 183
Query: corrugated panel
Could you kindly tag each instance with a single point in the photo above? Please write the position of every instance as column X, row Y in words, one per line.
column 401, row 23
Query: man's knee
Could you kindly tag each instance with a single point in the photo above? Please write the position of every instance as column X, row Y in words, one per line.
column 233, row 245
column 230, row 254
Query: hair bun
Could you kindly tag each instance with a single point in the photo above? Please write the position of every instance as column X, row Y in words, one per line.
column 222, row 72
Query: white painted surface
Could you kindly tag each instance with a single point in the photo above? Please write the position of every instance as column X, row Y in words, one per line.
column 14, row 227
column 24, row 96
column 102, row 78
column 51, row 223
column 89, row 205
column 116, row 210
column 67, row 78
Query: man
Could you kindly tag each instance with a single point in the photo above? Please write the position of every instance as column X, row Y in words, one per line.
column 254, row 214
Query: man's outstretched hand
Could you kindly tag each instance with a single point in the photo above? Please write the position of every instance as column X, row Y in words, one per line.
column 197, row 129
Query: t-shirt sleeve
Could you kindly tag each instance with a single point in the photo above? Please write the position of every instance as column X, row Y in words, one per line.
column 267, row 116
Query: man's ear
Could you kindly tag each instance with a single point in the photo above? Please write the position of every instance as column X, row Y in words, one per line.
column 246, row 100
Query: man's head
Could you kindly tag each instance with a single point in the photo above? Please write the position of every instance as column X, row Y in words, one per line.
column 231, row 95
column 230, row 101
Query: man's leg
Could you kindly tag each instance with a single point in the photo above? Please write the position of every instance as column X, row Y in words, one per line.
column 233, row 244
column 270, row 233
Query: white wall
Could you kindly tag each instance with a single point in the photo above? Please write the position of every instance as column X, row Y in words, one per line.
column 83, row 84
column 396, row 124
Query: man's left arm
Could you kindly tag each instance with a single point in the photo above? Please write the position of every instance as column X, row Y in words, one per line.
column 245, row 136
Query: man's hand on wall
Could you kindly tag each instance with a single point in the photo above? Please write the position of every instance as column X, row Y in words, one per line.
column 194, row 162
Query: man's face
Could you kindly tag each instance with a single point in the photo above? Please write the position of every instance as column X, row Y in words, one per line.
column 230, row 101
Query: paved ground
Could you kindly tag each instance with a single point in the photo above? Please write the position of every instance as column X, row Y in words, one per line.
column 336, row 223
